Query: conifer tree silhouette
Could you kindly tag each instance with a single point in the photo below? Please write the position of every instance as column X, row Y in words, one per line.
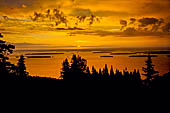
column 88, row 72
column 77, row 70
column 130, row 76
column 134, row 74
column 21, row 68
column 94, row 73
column 105, row 72
column 149, row 71
column 100, row 73
column 127, row 75
column 111, row 73
column 65, row 69
column 138, row 77
column 78, row 67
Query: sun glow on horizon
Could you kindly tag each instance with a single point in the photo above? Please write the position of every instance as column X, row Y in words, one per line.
column 74, row 23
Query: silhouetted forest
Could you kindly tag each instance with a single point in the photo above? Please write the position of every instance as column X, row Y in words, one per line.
column 78, row 70
column 79, row 85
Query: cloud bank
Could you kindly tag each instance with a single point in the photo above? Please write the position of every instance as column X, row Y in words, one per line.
column 99, row 7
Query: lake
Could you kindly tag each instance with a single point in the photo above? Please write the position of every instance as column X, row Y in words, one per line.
column 119, row 59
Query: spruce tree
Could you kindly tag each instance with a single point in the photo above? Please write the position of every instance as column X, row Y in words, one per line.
column 65, row 69
column 149, row 71
column 138, row 77
column 100, row 72
column 78, row 67
column 106, row 73
column 134, row 72
column 127, row 75
column 94, row 72
column 88, row 71
column 21, row 68
column 111, row 72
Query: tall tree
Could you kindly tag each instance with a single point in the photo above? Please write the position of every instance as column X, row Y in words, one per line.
column 5, row 49
column 149, row 71
column 88, row 71
column 78, row 67
column 111, row 72
column 126, row 74
column 21, row 68
column 94, row 72
column 138, row 77
column 100, row 72
column 65, row 69
column 105, row 72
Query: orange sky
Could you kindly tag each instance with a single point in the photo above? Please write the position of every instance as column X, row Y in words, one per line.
column 24, row 32
column 111, row 7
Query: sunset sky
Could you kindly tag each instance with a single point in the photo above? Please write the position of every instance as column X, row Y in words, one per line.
column 20, row 26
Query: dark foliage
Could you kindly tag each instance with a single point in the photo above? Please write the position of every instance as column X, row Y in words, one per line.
column 78, row 70
column 6, row 68
column 81, row 90
column 166, row 28
column 21, row 68
column 149, row 71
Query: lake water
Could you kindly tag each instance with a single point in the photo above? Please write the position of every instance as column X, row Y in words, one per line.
column 50, row 67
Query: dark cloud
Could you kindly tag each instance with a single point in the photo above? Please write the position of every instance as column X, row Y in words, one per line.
column 154, row 22
column 51, row 14
column 123, row 23
column 157, row 25
column 130, row 30
column 132, row 21
column 84, row 15
column 144, row 24
column 166, row 28
column 147, row 21
column 147, row 25
column 58, row 16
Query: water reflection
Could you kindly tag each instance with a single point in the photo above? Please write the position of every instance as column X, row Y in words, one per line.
column 50, row 67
